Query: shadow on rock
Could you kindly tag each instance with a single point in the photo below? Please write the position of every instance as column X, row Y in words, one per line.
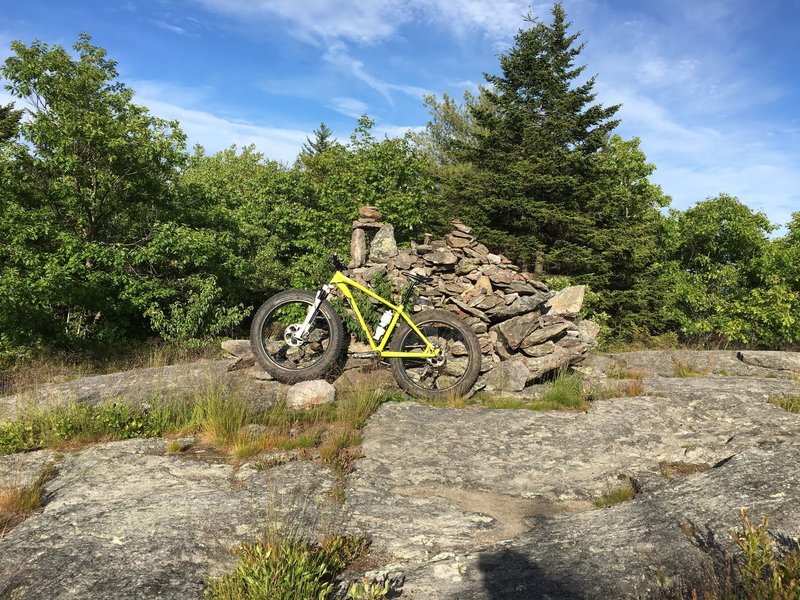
column 509, row 575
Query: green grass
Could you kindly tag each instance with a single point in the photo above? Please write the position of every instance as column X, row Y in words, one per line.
column 287, row 568
column 615, row 496
column 565, row 392
column 219, row 419
column 789, row 403
column 79, row 424
column 686, row 370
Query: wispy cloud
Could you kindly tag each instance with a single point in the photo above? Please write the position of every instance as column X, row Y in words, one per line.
column 172, row 27
column 216, row 133
column 338, row 55
column 370, row 21
column 349, row 107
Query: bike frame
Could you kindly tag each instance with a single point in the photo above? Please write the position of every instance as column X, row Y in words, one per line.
column 344, row 284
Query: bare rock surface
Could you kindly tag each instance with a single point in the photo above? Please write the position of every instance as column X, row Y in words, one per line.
column 122, row 520
column 459, row 503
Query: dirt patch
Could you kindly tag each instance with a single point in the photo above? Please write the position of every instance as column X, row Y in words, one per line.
column 507, row 514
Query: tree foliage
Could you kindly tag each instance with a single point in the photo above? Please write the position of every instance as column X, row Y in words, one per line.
column 111, row 230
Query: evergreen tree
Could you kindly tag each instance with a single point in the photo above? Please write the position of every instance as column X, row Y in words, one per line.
column 537, row 135
column 323, row 141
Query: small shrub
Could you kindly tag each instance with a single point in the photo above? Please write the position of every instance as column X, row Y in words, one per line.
column 765, row 570
column 367, row 589
column 286, row 568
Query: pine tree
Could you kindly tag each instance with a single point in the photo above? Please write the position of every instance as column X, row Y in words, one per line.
column 323, row 140
column 534, row 157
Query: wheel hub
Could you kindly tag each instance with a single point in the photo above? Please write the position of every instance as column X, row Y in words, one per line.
column 437, row 361
column 290, row 335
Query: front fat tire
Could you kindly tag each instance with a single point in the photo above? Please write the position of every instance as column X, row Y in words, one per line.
column 468, row 338
column 330, row 358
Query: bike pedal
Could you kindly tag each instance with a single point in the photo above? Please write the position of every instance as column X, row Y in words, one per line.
column 365, row 354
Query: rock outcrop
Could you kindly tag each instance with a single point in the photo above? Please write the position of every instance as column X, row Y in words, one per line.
column 459, row 503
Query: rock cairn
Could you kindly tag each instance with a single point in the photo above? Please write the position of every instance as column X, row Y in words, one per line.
column 525, row 330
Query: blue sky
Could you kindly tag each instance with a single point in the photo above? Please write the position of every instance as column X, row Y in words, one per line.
column 710, row 86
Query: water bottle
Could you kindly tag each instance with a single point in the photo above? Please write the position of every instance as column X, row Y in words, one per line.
column 385, row 319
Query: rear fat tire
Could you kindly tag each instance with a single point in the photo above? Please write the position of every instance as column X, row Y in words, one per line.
column 329, row 359
column 470, row 341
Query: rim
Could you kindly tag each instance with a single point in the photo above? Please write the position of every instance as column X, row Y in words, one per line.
column 436, row 374
column 276, row 331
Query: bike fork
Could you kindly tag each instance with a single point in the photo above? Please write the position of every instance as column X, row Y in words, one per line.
column 302, row 333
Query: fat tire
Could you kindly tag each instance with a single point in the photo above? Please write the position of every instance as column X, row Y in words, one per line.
column 332, row 355
column 467, row 380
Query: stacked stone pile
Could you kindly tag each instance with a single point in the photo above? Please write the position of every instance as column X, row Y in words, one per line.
column 525, row 330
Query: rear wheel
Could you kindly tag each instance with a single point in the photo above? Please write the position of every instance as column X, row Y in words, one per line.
column 280, row 353
column 453, row 372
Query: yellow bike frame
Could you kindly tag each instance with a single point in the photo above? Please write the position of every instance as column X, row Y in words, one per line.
column 344, row 283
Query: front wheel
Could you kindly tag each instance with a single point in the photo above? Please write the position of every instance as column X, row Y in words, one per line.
column 279, row 351
column 449, row 375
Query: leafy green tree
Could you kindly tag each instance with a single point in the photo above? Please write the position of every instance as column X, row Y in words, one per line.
column 734, row 284
column 9, row 122
column 86, row 185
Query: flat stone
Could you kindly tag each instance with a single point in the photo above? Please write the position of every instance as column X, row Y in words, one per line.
column 455, row 241
column 567, row 302
column 370, row 212
column 498, row 275
column 441, row 258
column 522, row 305
column 367, row 224
column 460, row 227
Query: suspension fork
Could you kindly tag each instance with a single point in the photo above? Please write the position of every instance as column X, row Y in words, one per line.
column 313, row 310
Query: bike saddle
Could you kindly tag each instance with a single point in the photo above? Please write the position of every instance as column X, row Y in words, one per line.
column 417, row 278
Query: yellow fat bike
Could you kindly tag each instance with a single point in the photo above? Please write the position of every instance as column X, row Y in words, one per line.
column 297, row 335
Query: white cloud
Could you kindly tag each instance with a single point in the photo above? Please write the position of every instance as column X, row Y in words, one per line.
column 349, row 106
column 370, row 21
column 338, row 56
column 172, row 27
column 216, row 133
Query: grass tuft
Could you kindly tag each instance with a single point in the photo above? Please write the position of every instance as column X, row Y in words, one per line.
column 686, row 370
column 287, row 568
column 19, row 502
column 670, row 470
column 789, row 403
column 566, row 392
column 615, row 496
